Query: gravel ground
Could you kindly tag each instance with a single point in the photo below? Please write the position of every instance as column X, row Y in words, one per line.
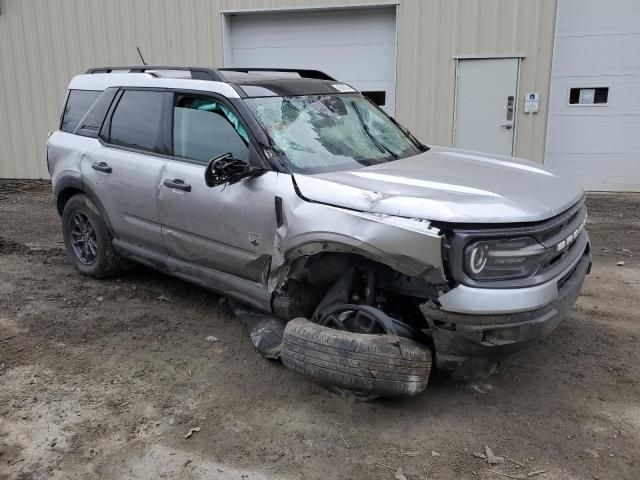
column 103, row 379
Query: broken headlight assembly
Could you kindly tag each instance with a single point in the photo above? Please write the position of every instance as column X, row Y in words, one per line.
column 503, row 259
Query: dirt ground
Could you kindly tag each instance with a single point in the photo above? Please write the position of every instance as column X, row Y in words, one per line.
column 103, row 379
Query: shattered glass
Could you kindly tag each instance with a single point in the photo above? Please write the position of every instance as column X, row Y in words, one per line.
column 323, row 133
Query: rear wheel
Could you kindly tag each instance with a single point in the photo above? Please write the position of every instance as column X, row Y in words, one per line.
column 87, row 239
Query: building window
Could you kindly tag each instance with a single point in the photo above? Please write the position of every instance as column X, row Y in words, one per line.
column 377, row 97
column 589, row 96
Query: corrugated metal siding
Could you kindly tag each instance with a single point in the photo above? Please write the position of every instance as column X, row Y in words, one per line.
column 432, row 32
column 597, row 45
column 44, row 43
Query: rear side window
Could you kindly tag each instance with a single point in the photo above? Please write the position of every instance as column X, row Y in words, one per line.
column 138, row 122
column 92, row 121
column 77, row 106
column 204, row 128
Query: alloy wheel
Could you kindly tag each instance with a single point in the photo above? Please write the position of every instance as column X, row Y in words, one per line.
column 83, row 238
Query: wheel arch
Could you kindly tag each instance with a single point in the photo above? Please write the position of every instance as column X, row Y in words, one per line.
column 67, row 187
column 348, row 245
column 314, row 273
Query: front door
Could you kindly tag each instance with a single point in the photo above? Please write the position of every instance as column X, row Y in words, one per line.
column 230, row 228
column 485, row 112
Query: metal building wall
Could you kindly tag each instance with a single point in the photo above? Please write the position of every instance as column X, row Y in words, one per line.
column 43, row 43
column 597, row 45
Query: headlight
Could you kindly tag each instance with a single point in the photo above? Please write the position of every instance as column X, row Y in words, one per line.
column 503, row 259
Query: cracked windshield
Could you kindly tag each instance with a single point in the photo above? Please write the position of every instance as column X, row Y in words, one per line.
column 323, row 133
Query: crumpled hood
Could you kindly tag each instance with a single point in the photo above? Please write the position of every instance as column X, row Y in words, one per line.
column 448, row 185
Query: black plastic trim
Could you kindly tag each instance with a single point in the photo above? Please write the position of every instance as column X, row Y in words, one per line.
column 64, row 109
column 279, row 215
column 304, row 73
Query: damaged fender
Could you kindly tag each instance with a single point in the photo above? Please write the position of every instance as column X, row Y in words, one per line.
column 410, row 246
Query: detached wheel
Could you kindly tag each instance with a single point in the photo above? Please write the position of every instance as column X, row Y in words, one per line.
column 382, row 365
column 87, row 239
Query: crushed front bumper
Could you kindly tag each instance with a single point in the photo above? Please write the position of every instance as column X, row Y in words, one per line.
column 470, row 345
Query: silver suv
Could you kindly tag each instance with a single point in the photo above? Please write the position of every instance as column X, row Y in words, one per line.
column 295, row 195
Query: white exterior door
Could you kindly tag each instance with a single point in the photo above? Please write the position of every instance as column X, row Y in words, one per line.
column 355, row 46
column 485, row 116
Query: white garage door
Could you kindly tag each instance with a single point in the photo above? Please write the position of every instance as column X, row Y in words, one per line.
column 354, row 46
column 593, row 133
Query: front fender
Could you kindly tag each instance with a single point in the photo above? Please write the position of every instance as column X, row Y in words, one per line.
column 406, row 251
column 411, row 247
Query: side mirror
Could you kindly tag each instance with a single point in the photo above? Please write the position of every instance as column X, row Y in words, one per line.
column 227, row 169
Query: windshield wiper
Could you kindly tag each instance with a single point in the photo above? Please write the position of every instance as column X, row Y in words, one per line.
column 407, row 133
column 381, row 146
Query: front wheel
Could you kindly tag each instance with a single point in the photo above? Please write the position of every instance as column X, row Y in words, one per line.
column 372, row 365
column 87, row 239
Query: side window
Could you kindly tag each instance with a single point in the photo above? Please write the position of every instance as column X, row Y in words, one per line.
column 78, row 104
column 92, row 121
column 204, row 128
column 137, row 121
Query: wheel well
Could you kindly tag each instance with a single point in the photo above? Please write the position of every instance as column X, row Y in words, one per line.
column 350, row 278
column 64, row 196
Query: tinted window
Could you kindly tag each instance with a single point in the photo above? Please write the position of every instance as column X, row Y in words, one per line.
column 137, row 121
column 92, row 121
column 78, row 104
column 204, row 128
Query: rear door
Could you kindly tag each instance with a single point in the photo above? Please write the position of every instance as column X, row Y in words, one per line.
column 125, row 168
column 229, row 228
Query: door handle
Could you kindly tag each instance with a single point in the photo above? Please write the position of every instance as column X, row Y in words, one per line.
column 507, row 125
column 510, row 109
column 178, row 184
column 101, row 167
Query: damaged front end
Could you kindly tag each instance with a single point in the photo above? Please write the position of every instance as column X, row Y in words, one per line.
column 382, row 274
column 470, row 345
column 338, row 266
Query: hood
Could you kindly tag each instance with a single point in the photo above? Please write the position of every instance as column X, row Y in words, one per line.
column 448, row 185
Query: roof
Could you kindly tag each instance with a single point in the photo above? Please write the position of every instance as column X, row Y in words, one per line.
column 230, row 82
column 269, row 84
column 102, row 81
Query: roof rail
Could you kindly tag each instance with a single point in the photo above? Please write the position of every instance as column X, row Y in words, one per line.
column 215, row 74
column 304, row 73
column 197, row 73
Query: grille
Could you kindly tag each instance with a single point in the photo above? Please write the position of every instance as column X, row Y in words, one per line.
column 560, row 229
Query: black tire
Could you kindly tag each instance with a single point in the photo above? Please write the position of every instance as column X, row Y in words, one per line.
column 384, row 365
column 105, row 261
